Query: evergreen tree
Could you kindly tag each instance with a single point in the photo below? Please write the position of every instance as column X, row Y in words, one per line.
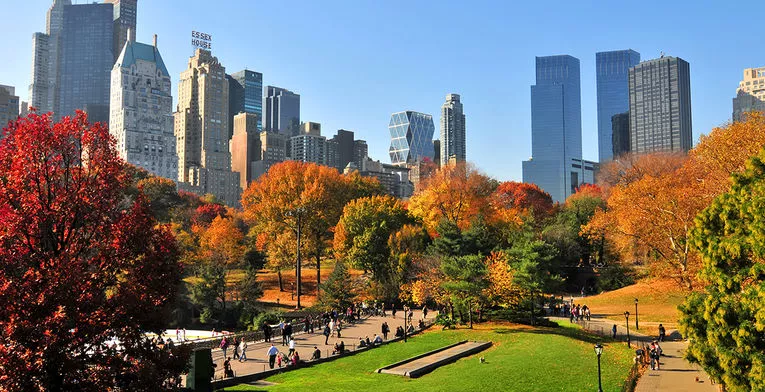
column 338, row 292
column 726, row 324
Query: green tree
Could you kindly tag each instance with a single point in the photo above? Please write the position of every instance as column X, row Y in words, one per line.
column 363, row 234
column 531, row 263
column 339, row 291
column 726, row 324
column 466, row 278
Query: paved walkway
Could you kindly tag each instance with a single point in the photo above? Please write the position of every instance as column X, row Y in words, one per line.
column 257, row 361
column 419, row 366
column 676, row 374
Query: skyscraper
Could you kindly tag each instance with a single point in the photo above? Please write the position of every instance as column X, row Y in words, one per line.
column 85, row 59
column 201, row 130
column 124, row 21
column 282, row 111
column 660, row 106
column 452, row 129
column 245, row 91
column 245, row 147
column 9, row 106
column 141, row 110
column 750, row 94
column 411, row 137
column 620, row 138
column 273, row 149
column 612, row 72
column 556, row 126
column 45, row 59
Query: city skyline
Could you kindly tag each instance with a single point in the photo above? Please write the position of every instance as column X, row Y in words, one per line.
column 340, row 98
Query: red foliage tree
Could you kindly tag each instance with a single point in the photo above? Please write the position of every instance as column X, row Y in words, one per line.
column 206, row 213
column 524, row 198
column 81, row 264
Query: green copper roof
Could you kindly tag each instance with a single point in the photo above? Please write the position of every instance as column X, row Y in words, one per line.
column 137, row 51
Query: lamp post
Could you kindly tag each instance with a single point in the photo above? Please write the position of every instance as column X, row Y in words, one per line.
column 297, row 213
column 627, row 322
column 598, row 351
column 637, row 327
column 406, row 315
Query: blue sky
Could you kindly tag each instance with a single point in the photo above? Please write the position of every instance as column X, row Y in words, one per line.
column 354, row 62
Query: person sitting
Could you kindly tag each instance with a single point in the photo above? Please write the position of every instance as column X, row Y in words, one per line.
column 399, row 332
column 362, row 343
column 342, row 347
column 295, row 358
column 316, row 353
column 368, row 342
column 377, row 341
column 336, row 350
column 421, row 325
column 410, row 330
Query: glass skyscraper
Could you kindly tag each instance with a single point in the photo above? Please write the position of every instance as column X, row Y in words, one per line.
column 556, row 126
column 245, row 90
column 452, row 130
column 86, row 58
column 612, row 72
column 282, row 112
column 411, row 135
column 660, row 106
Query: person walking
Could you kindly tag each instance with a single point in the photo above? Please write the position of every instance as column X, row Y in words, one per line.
column 236, row 348
column 662, row 333
column 326, row 334
column 224, row 346
column 613, row 331
column 266, row 332
column 385, row 329
column 425, row 311
column 291, row 346
column 242, row 351
column 271, row 353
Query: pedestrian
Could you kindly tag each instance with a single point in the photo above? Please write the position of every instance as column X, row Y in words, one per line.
column 236, row 348
column 227, row 371
column 266, row 331
column 184, row 334
column 242, row 351
column 291, row 346
column 271, row 353
column 177, row 335
column 326, row 334
column 224, row 346
column 332, row 327
column 339, row 328
column 393, row 311
column 425, row 311
column 662, row 333
column 385, row 329
column 613, row 331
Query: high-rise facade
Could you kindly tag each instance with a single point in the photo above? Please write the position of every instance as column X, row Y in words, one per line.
column 556, row 126
column 43, row 89
column 612, row 73
column 86, row 58
column 282, row 111
column 245, row 147
column 750, row 94
column 273, row 149
column 452, row 129
column 620, row 137
column 245, row 89
column 9, row 106
column 660, row 106
column 141, row 110
column 308, row 148
column 201, row 130
column 360, row 151
column 411, row 135
column 124, row 21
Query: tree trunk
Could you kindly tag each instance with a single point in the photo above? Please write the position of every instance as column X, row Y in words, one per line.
column 470, row 313
column 318, row 265
column 281, row 283
column 533, row 323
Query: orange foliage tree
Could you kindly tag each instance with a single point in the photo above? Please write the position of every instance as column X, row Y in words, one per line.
column 654, row 199
column 524, row 198
column 456, row 193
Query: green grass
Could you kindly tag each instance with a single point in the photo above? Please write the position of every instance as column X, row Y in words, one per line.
column 521, row 359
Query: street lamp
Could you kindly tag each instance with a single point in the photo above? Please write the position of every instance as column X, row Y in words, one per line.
column 406, row 315
column 598, row 351
column 298, row 214
column 627, row 321
column 636, row 315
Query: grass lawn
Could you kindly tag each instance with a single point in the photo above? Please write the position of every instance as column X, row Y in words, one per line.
column 657, row 303
column 521, row 359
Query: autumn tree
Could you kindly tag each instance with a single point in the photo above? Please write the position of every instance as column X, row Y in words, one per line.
column 726, row 323
column 457, row 193
column 221, row 249
column 362, row 238
column 524, row 198
column 81, row 265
